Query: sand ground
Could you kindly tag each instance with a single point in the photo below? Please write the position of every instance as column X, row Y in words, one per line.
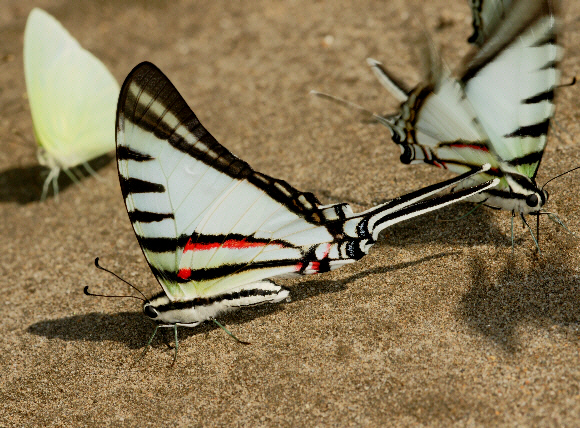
column 439, row 325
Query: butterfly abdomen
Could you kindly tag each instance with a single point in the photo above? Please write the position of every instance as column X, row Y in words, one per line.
column 195, row 311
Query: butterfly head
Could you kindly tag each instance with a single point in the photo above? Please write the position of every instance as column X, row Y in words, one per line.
column 150, row 311
column 535, row 201
column 166, row 312
column 155, row 307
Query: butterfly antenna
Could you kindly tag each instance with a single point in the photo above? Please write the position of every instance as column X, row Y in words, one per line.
column 560, row 175
column 86, row 290
column 230, row 333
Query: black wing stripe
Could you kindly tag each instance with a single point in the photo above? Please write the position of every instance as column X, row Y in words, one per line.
column 207, row 301
column 543, row 96
column 148, row 217
column 549, row 65
column 134, row 185
column 159, row 244
column 126, row 153
column 528, row 159
column 208, row 274
column 548, row 39
column 536, row 130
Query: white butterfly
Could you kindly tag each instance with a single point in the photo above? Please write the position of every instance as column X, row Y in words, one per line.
column 72, row 98
column 213, row 230
column 496, row 111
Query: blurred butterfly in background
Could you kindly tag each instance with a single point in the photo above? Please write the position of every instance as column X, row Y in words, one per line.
column 497, row 111
column 72, row 99
column 213, row 230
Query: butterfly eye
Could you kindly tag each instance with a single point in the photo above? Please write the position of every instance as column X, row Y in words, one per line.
column 150, row 311
column 532, row 200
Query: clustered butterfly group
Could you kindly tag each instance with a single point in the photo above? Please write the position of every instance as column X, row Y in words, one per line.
column 215, row 232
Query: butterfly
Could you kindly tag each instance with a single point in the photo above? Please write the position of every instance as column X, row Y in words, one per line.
column 72, row 98
column 213, row 230
column 497, row 111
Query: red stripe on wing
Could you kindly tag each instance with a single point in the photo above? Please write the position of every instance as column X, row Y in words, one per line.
column 467, row 146
column 236, row 244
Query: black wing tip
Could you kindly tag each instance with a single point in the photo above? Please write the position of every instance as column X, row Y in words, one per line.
column 138, row 72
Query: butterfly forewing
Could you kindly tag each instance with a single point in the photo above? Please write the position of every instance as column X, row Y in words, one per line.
column 515, row 72
column 206, row 221
column 486, row 15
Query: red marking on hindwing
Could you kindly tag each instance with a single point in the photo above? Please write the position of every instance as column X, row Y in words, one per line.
column 184, row 273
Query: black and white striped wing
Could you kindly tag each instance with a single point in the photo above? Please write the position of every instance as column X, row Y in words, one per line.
column 202, row 216
column 210, row 225
column 510, row 83
column 497, row 112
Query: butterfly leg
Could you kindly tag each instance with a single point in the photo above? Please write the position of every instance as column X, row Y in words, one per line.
column 538, row 230
column 52, row 177
column 230, row 333
column 532, row 233
column 149, row 342
column 70, row 173
column 512, row 230
column 92, row 172
column 176, row 345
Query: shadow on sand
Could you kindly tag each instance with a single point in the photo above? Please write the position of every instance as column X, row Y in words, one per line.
column 24, row 184
column 134, row 328
column 542, row 293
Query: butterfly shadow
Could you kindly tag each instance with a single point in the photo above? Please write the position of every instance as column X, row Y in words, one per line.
column 453, row 225
column 306, row 289
column 23, row 185
column 133, row 328
column 545, row 294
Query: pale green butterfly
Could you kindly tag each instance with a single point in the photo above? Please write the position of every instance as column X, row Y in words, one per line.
column 72, row 95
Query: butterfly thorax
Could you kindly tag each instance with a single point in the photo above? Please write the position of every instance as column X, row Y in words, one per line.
column 522, row 196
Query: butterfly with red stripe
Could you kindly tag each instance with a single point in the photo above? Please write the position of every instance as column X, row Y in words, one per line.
column 213, row 230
